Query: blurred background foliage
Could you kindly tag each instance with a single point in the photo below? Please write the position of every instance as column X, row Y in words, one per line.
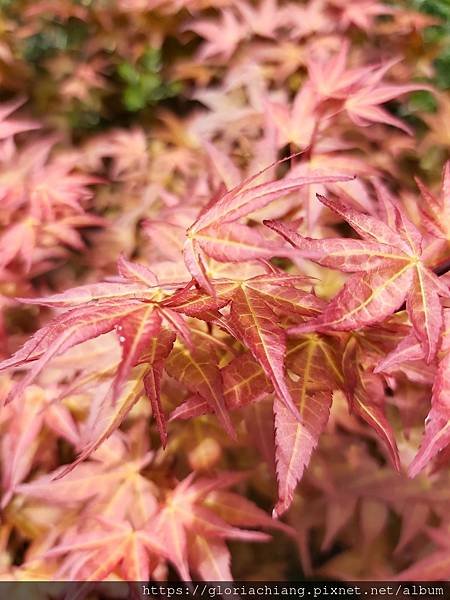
column 438, row 34
column 86, row 65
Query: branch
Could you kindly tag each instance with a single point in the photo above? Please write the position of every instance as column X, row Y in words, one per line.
column 442, row 268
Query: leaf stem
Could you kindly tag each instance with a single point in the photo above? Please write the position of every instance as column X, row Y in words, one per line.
column 442, row 268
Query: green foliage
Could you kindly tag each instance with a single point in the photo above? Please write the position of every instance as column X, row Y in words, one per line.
column 420, row 101
column 55, row 37
column 120, row 80
column 438, row 8
column 143, row 83
column 442, row 66
column 438, row 34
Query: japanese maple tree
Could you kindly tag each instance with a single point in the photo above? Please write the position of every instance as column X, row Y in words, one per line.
column 225, row 319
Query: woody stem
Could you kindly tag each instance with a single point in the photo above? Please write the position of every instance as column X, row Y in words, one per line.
column 442, row 268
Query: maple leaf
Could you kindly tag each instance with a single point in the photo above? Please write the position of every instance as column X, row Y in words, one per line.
column 329, row 78
column 264, row 20
column 296, row 440
column 307, row 19
column 360, row 89
column 97, row 309
column 75, row 327
column 112, row 411
column 159, row 349
column 363, row 106
column 10, row 127
column 283, row 59
column 239, row 511
column 244, row 382
column 388, row 269
column 363, row 14
column 350, row 478
column 20, row 443
column 436, row 439
column 442, row 382
column 126, row 148
column 18, row 242
column 434, row 566
column 327, row 158
column 254, row 306
column 132, row 549
column 437, row 423
column 414, row 522
column 201, row 376
column 45, row 200
column 192, row 508
column 407, row 352
column 136, row 333
column 77, row 486
column 245, row 198
column 435, row 210
column 366, row 397
column 85, row 78
column 255, row 323
column 222, row 36
column 138, row 325
column 47, row 184
column 215, row 230
column 314, row 361
column 329, row 364
column 167, row 237
column 211, row 559
column 287, row 119
column 55, row 188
